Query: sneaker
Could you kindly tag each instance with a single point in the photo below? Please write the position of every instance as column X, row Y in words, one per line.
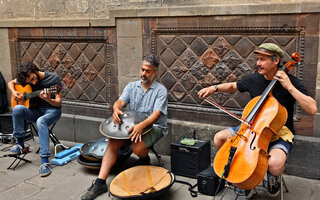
column 94, row 190
column 143, row 161
column 17, row 150
column 45, row 169
column 249, row 193
column 273, row 185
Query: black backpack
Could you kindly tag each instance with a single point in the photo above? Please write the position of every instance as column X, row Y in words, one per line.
column 3, row 95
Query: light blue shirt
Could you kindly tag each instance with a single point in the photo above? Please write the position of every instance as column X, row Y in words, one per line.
column 154, row 98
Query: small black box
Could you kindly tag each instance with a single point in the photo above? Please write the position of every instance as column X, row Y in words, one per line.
column 190, row 160
column 208, row 182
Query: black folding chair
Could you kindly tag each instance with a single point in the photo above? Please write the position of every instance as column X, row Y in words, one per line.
column 160, row 163
column 18, row 158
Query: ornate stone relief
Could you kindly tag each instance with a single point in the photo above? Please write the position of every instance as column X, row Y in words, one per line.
column 77, row 60
column 193, row 58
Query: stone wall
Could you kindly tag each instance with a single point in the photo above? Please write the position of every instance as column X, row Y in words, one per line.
column 213, row 33
column 84, row 59
column 199, row 51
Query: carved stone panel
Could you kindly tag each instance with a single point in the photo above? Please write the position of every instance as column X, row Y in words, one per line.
column 193, row 58
column 81, row 62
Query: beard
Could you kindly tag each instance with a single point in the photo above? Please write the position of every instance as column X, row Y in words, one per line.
column 38, row 79
column 146, row 80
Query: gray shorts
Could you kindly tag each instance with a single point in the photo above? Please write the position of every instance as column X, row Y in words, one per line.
column 278, row 144
column 150, row 138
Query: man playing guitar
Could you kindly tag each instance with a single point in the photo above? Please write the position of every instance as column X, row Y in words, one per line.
column 45, row 113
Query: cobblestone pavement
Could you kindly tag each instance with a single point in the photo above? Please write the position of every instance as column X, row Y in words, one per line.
column 71, row 181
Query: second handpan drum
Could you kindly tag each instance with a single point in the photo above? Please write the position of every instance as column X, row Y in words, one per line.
column 94, row 150
column 120, row 131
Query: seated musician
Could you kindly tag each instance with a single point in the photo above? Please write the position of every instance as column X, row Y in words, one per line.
column 288, row 91
column 44, row 112
column 146, row 96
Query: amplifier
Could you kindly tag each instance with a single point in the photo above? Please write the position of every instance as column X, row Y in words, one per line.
column 209, row 182
column 6, row 126
column 189, row 160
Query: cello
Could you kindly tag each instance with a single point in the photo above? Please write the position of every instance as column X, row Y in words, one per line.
column 243, row 159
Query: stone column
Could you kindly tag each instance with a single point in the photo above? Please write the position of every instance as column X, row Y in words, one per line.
column 129, row 41
column 316, row 129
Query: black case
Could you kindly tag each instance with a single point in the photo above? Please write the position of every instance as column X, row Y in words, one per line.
column 208, row 182
column 190, row 160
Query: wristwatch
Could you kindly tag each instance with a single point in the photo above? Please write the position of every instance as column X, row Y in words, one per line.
column 216, row 86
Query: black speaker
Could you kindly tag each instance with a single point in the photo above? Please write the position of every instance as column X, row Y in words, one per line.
column 6, row 129
column 208, row 182
column 189, row 160
column 6, row 126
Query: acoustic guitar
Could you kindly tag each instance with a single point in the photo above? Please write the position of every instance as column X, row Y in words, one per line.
column 27, row 93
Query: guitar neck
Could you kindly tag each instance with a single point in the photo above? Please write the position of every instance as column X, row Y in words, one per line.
column 31, row 94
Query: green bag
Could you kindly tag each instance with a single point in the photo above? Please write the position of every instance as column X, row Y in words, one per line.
column 188, row 141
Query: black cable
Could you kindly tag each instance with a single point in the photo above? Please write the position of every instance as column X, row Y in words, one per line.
column 216, row 192
column 193, row 193
column 7, row 148
column 238, row 192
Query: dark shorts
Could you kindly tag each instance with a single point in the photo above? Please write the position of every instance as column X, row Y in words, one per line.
column 278, row 144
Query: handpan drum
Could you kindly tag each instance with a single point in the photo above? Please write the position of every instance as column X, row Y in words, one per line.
column 120, row 131
column 94, row 151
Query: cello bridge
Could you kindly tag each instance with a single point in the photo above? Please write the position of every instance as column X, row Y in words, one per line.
column 242, row 136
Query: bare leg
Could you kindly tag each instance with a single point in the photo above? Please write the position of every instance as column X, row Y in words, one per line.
column 277, row 161
column 110, row 157
column 140, row 149
column 221, row 137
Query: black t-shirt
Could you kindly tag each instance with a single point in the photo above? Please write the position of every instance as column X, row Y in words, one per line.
column 255, row 84
column 50, row 79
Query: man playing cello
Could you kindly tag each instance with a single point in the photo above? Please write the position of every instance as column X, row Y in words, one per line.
column 288, row 91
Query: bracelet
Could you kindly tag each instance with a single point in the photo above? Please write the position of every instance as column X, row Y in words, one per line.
column 216, row 86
